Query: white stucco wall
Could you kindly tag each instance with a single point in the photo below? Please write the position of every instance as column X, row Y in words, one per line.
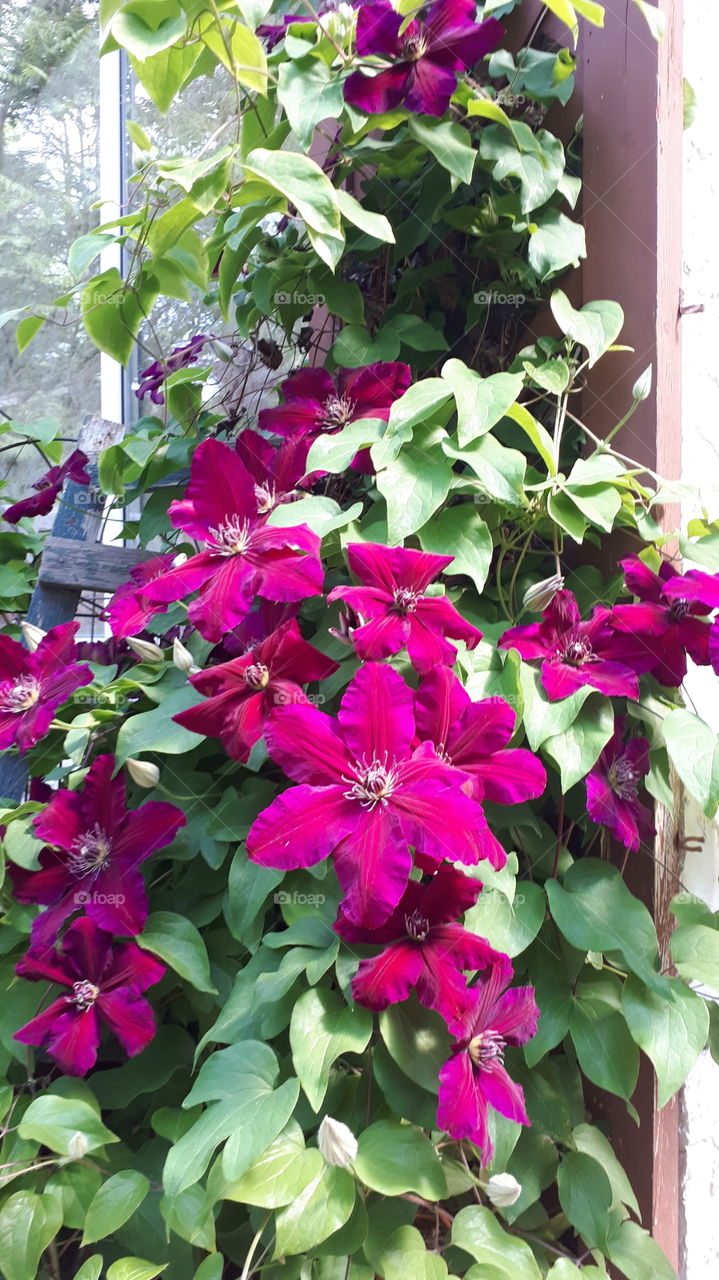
column 701, row 468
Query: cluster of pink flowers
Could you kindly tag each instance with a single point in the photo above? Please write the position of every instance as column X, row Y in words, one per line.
column 392, row 788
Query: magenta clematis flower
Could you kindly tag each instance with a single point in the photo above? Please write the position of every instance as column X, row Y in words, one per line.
column 316, row 401
column 105, row 984
column 48, row 488
column 277, row 473
column 427, row 949
column 473, row 737
column 95, row 849
column 365, row 797
column 671, row 618
column 153, row 377
column 475, row 1077
column 129, row 610
column 612, row 789
column 241, row 694
column 34, row 685
column 575, row 653
column 400, row 614
column 243, row 555
column 426, row 57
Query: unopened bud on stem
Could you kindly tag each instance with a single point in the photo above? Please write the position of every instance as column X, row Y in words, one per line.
column 336, row 1142
column 503, row 1190
column 144, row 773
column 31, row 635
column 145, row 650
column 538, row 597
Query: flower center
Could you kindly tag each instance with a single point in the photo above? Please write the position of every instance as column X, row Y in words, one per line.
column 414, row 46
column 486, row 1048
column 679, row 609
column 577, row 652
column 624, row 778
column 19, row 695
column 86, row 994
column 417, row 926
column 232, row 536
column 338, row 411
column 257, row 676
column 405, row 599
column 90, row 853
column 266, row 496
column 373, row 783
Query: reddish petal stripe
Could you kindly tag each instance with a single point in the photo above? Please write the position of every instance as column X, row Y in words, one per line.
column 448, row 895
column 210, row 718
column 515, row 1014
column 641, row 580
column 373, row 865
column 14, row 659
column 104, row 797
column 378, row 27
column 381, row 638
column 439, row 704
column 430, row 86
column 607, row 810
column 47, row 966
column 116, row 900
column 508, row 777
column 129, row 1016
column 694, row 635
column 387, row 978
column 88, row 950
column 74, row 1041
column 243, row 727
column 695, row 585
column 373, row 390
column 39, row 1029
column 187, row 577
column 440, row 820
column 462, row 1109
column 309, row 384
column 427, row 647
column 458, row 42
column 225, row 599
column 301, row 827
column 288, row 575
column 130, row 966
column 62, row 821
column 153, row 826
column 377, row 716
column 529, row 642
column 295, row 417
column 648, row 619
column 220, row 487
column 307, row 744
column 373, row 564
column 368, row 602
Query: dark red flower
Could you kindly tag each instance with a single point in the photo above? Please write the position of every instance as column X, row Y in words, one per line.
column 427, row 949
column 317, row 401
column 671, row 618
column 426, row 56
column 473, row 737
column 475, row 1077
column 153, row 377
column 34, row 685
column 395, row 611
column 95, row 848
column 105, row 984
column 243, row 557
column 613, row 789
column 129, row 610
column 576, row 653
column 277, row 473
column 241, row 694
column 48, row 488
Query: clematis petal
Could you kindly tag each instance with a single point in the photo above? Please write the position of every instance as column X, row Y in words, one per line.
column 373, row 865
column 448, row 895
column 74, row 1040
column 308, row 746
column 641, row 580
column 430, row 85
column 219, row 488
column 117, row 900
column 103, row 797
column 142, row 831
column 185, row 578
column 695, row 585
column 376, row 715
column 612, row 678
column 129, row 1016
column 14, row 659
column 374, row 389
column 504, row 1094
column 39, row 1029
column 378, row 25
column 303, row 417
column 379, row 93
column 462, row 1109
column 87, row 949
column 62, row 821
column 387, row 978
column 382, row 637
column 301, row 827
column 133, row 967
column 225, row 599
column 439, row 704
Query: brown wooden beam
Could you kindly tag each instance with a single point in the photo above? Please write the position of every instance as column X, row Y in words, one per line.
column 631, row 97
column 87, row 566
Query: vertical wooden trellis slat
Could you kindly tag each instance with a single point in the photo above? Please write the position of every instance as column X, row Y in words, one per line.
column 631, row 97
column 72, row 561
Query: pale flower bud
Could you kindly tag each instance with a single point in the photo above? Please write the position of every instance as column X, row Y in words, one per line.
column 145, row 650
column 503, row 1190
column 31, row 635
column 182, row 658
column 143, row 773
column 541, row 595
column 77, row 1146
column 642, row 388
column 336, row 1142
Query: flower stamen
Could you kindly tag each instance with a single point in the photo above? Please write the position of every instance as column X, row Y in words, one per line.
column 90, row 853
column 486, row 1048
column 373, row 783
column 19, row 695
column 232, row 536
column 86, row 994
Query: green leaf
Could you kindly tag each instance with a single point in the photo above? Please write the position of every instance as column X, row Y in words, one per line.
column 321, row 1208
column 280, row 1174
column 579, row 746
column 510, row 925
column 536, row 160
column 461, row 532
column 355, row 347
column 27, row 1225
column 596, row 912
column 695, row 951
column 450, row 144
column 164, row 74
column 585, row 1195
column 538, row 434
column 605, row 1049
column 693, row 749
column 595, row 327
column 500, row 471
column 556, row 244
column 320, row 514
column 302, row 181
column 176, row 941
column 156, row 730
column 544, row 719
column 112, row 312
column 394, row 1158
column 114, row 1203
column 477, row 1231
column 135, row 1269
column 417, row 1040
column 592, row 1142
column 637, row 1256
column 54, row 1121
column 671, row 1035
column 26, row 331
column 309, row 94
column 334, row 452
column 415, row 485
column 141, row 40
column 373, row 224
column 240, row 51
column 481, row 402
column 656, row 19
column 405, row 1254
column 322, row 1028
column 90, row 1269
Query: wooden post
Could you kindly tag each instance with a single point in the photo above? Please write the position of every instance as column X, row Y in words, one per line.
column 631, row 97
